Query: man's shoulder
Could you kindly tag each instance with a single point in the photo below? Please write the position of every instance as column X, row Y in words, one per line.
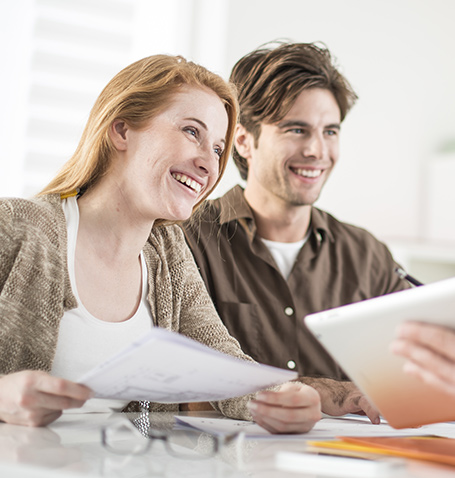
column 231, row 206
column 340, row 231
column 214, row 213
column 208, row 212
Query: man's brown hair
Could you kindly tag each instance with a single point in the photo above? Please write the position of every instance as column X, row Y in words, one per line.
column 270, row 78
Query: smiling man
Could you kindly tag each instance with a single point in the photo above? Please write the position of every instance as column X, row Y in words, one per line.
column 267, row 255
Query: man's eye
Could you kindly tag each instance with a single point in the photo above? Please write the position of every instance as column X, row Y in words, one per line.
column 331, row 132
column 297, row 130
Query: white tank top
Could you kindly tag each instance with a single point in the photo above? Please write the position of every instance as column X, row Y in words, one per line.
column 85, row 341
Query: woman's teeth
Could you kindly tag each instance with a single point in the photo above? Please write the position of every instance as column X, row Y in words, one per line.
column 182, row 178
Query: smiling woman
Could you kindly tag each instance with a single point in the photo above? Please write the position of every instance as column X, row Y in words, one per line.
column 95, row 260
column 136, row 95
column 146, row 169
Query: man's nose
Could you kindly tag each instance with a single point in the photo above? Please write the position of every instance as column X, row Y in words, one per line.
column 314, row 147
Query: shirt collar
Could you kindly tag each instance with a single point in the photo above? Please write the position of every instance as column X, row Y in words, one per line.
column 320, row 225
column 234, row 207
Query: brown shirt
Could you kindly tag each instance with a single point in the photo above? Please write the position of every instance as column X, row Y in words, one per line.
column 339, row 264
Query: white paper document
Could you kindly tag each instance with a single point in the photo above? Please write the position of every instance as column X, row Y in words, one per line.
column 167, row 367
column 324, row 429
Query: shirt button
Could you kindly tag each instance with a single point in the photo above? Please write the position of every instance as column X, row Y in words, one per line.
column 288, row 311
column 291, row 364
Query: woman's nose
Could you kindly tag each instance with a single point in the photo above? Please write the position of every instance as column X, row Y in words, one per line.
column 208, row 161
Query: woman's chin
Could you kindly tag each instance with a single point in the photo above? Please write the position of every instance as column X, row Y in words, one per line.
column 180, row 215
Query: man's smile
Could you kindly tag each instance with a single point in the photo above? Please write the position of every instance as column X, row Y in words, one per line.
column 307, row 173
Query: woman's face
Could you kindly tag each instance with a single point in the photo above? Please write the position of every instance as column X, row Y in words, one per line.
column 166, row 167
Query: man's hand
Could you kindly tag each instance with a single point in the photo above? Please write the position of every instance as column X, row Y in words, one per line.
column 294, row 408
column 430, row 353
column 341, row 397
column 35, row 398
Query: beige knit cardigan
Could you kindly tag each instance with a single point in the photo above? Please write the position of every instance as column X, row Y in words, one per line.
column 35, row 291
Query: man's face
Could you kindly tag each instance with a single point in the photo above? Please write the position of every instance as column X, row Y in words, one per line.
column 295, row 156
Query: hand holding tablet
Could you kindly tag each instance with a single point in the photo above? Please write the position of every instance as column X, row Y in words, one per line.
column 429, row 351
column 359, row 337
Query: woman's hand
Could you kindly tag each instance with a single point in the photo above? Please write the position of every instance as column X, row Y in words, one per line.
column 35, row 398
column 430, row 353
column 294, row 408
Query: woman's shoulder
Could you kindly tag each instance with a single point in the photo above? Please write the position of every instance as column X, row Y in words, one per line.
column 165, row 236
column 168, row 242
column 46, row 205
column 44, row 213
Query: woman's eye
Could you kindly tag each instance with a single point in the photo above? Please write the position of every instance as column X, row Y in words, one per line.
column 218, row 151
column 193, row 131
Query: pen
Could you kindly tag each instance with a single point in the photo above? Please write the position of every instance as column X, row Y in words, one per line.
column 404, row 275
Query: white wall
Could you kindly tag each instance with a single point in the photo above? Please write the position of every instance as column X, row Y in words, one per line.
column 398, row 55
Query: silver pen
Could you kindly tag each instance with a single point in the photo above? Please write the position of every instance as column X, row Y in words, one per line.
column 404, row 275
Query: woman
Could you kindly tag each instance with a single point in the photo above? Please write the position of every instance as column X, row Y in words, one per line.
column 94, row 261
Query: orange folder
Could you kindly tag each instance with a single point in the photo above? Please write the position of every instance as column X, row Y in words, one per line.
column 428, row 448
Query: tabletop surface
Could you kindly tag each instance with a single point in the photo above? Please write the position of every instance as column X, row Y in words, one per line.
column 71, row 447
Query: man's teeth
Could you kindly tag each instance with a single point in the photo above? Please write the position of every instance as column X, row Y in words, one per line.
column 309, row 173
column 188, row 181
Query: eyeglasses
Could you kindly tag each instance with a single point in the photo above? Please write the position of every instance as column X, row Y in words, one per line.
column 124, row 438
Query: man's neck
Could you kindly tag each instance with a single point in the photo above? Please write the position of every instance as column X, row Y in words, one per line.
column 278, row 221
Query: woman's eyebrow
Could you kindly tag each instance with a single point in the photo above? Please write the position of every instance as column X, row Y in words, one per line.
column 203, row 125
column 197, row 121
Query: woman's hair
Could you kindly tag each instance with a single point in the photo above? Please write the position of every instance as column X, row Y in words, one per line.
column 270, row 78
column 137, row 94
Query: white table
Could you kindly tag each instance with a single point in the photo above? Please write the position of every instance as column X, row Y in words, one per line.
column 71, row 447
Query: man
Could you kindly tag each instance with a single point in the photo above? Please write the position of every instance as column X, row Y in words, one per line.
column 267, row 255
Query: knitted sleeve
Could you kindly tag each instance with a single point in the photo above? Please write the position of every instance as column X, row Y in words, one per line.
column 193, row 313
column 31, row 286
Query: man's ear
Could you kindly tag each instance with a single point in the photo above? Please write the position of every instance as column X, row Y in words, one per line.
column 118, row 134
column 243, row 141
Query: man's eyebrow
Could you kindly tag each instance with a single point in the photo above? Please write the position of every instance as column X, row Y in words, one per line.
column 303, row 124
column 203, row 125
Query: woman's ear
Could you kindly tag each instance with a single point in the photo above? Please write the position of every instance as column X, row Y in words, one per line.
column 118, row 134
column 243, row 141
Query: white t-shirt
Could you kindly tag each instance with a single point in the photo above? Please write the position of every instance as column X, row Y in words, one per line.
column 85, row 341
column 285, row 253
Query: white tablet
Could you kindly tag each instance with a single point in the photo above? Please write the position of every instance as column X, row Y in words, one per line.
column 358, row 337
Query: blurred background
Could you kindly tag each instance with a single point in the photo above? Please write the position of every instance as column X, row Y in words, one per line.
column 396, row 172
